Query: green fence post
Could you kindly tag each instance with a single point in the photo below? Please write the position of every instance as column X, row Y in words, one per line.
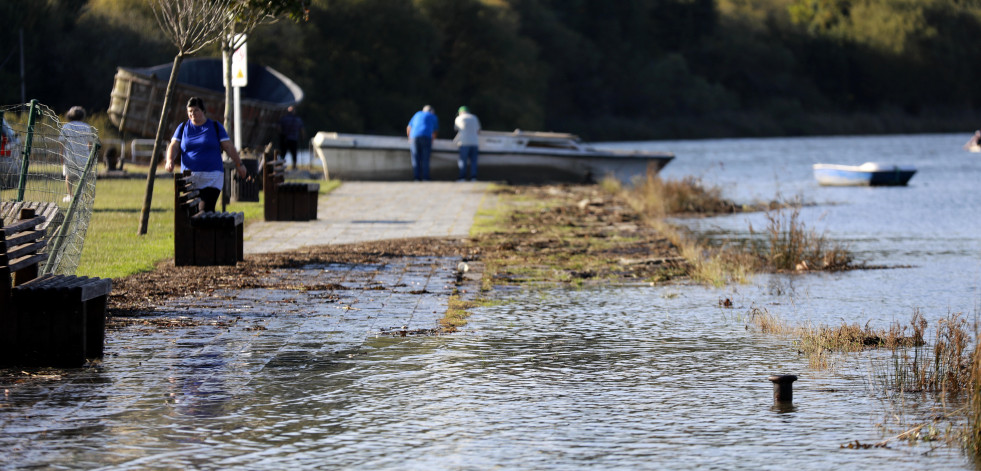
column 22, row 184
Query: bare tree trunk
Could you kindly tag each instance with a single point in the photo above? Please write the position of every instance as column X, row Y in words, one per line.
column 191, row 25
column 226, row 52
column 152, row 171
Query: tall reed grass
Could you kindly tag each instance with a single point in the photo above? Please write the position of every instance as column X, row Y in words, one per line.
column 653, row 197
column 789, row 245
column 818, row 342
column 972, row 437
column 943, row 369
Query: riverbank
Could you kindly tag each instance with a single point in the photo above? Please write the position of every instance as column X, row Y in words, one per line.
column 571, row 234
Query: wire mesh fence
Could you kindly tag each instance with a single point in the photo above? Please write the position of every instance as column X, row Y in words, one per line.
column 49, row 165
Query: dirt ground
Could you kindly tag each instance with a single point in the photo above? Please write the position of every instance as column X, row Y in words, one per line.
column 570, row 233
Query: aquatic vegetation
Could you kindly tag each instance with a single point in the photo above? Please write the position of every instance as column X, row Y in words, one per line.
column 944, row 366
column 766, row 322
column 715, row 266
column 947, row 373
column 915, row 368
column 458, row 310
column 972, row 437
column 657, row 198
column 456, row 313
column 818, row 342
column 788, row 245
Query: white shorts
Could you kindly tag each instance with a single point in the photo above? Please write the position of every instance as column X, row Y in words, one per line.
column 199, row 180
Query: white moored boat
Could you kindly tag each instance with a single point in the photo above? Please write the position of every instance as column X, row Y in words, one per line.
column 517, row 157
column 867, row 174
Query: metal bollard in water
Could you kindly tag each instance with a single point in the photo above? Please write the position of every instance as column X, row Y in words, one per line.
column 783, row 387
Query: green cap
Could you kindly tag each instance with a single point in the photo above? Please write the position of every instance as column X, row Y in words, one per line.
column 463, row 109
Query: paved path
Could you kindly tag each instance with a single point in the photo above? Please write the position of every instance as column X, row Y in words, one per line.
column 366, row 211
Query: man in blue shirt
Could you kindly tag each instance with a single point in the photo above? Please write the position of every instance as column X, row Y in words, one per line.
column 421, row 131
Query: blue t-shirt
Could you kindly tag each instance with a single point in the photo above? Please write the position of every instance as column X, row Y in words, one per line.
column 200, row 147
column 423, row 124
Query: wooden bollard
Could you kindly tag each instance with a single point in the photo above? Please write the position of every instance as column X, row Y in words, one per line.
column 783, row 387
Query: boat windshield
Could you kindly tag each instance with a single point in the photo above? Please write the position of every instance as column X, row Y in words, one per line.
column 552, row 144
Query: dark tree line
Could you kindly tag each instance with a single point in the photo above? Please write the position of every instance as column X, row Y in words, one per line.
column 629, row 69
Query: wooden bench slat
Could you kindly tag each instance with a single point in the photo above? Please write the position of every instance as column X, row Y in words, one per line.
column 10, row 211
column 21, row 250
column 192, row 206
column 217, row 219
column 81, row 287
column 21, row 239
column 188, row 198
column 18, row 264
column 22, row 225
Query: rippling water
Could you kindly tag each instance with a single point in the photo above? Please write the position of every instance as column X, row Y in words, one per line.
column 630, row 377
column 933, row 226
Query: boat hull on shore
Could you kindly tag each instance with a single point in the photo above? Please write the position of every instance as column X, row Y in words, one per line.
column 867, row 174
column 518, row 157
column 137, row 98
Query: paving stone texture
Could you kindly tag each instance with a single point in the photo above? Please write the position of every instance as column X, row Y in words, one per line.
column 367, row 211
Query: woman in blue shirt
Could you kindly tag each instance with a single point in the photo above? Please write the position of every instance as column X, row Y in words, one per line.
column 198, row 143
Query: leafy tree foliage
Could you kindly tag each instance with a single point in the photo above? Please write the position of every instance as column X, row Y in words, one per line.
column 617, row 70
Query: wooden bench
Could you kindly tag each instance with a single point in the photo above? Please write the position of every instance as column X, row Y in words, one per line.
column 50, row 320
column 204, row 238
column 287, row 201
column 10, row 211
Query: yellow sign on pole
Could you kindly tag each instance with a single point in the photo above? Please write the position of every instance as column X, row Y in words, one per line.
column 240, row 63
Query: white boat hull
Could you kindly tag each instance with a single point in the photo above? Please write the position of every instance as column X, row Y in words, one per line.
column 386, row 158
column 868, row 174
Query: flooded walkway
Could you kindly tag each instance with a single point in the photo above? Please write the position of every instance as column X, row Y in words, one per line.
column 246, row 361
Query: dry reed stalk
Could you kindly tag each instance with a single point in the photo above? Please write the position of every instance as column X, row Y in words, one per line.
column 789, row 245
column 657, row 198
column 973, row 434
column 767, row 323
column 818, row 343
column 947, row 371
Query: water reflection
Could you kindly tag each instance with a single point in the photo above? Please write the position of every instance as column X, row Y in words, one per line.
column 627, row 378
column 783, row 407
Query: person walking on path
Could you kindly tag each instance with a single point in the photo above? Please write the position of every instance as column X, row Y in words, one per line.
column 77, row 137
column 198, row 143
column 422, row 130
column 290, row 133
column 468, row 127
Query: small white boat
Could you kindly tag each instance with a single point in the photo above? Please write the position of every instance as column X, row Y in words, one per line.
column 867, row 174
column 517, row 157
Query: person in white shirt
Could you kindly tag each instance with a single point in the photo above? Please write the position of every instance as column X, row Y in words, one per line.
column 77, row 139
column 468, row 128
